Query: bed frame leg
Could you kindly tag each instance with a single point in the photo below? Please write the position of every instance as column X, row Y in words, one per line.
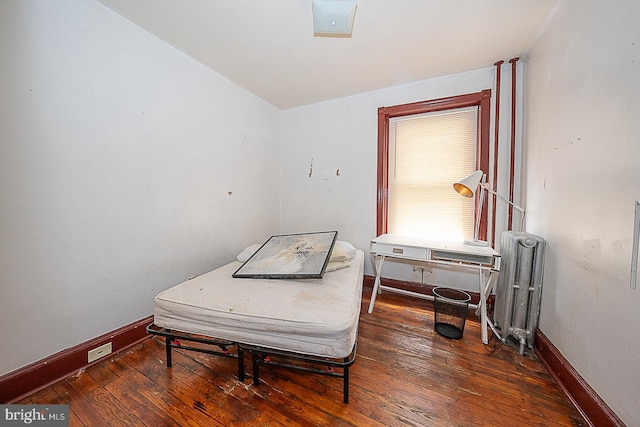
column 345, row 385
column 168, row 349
column 240, row 364
column 256, row 368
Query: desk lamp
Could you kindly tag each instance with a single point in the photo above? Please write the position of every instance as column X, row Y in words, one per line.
column 467, row 188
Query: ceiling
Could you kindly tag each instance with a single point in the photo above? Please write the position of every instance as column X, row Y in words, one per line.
column 268, row 46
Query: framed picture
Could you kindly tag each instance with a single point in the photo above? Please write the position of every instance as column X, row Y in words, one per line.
column 290, row 256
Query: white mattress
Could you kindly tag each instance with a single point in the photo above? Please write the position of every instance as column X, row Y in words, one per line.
column 310, row 316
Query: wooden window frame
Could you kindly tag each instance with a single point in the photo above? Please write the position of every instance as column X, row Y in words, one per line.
column 480, row 99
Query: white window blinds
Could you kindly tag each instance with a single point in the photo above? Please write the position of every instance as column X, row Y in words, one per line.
column 427, row 154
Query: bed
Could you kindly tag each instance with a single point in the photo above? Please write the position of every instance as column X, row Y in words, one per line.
column 295, row 323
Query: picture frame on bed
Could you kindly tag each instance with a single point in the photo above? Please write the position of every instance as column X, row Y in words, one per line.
column 290, row 256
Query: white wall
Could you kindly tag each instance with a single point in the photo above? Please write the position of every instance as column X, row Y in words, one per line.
column 125, row 167
column 583, row 177
column 341, row 135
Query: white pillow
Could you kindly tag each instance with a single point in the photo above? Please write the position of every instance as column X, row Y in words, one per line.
column 248, row 252
column 336, row 265
column 347, row 247
column 342, row 251
column 339, row 254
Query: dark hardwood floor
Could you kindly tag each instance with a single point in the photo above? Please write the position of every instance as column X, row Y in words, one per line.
column 405, row 374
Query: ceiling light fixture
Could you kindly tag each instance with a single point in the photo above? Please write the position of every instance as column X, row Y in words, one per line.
column 333, row 18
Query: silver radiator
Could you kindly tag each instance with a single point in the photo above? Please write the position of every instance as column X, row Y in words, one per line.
column 519, row 288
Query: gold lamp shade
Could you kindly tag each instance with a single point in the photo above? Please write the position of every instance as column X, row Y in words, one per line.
column 467, row 187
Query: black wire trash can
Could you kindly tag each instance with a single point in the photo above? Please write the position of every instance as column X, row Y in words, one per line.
column 450, row 307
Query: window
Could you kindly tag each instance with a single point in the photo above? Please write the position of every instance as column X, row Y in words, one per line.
column 423, row 148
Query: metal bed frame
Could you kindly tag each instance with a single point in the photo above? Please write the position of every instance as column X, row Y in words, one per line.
column 259, row 356
column 262, row 356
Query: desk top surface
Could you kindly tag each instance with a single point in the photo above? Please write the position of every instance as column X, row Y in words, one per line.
column 437, row 245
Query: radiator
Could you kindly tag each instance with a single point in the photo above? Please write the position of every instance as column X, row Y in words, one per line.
column 519, row 288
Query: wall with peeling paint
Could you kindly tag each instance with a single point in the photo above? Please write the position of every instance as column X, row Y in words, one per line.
column 125, row 168
column 582, row 180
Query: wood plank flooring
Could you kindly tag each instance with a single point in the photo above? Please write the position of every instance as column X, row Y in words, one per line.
column 405, row 375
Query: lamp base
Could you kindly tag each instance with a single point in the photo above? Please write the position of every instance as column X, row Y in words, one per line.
column 476, row 242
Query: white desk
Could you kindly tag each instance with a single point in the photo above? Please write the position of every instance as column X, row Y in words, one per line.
column 484, row 259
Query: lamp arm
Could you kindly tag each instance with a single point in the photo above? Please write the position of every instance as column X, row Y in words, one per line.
column 516, row 207
column 476, row 229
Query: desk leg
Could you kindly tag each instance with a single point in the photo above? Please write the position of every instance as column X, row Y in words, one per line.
column 485, row 291
column 377, row 266
column 482, row 305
